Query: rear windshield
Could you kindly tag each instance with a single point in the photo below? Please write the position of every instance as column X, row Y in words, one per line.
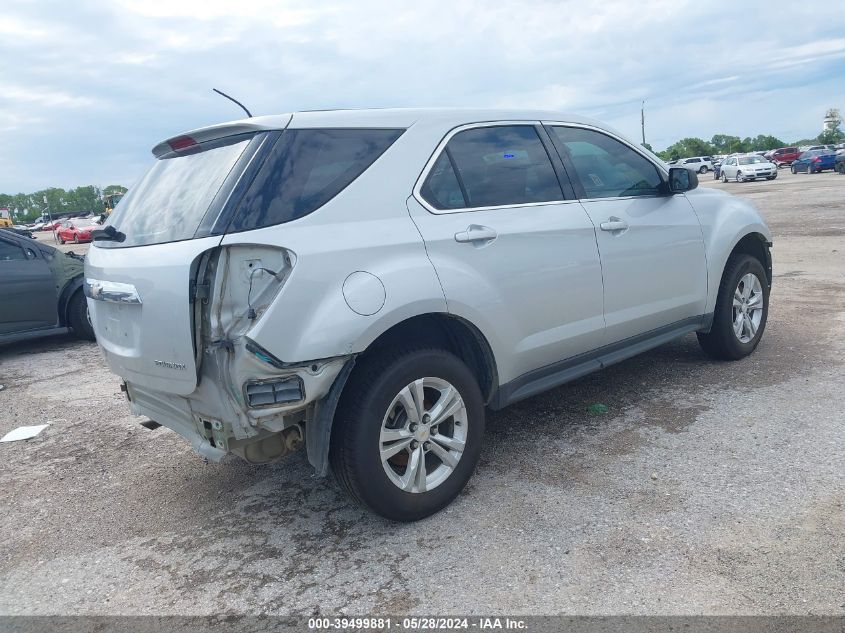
column 305, row 169
column 169, row 202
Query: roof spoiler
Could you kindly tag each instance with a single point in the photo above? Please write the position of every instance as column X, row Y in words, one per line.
column 221, row 130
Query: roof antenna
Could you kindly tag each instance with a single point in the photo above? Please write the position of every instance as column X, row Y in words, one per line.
column 220, row 92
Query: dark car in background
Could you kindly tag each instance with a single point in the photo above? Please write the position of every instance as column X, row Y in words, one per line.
column 839, row 164
column 814, row 161
column 41, row 289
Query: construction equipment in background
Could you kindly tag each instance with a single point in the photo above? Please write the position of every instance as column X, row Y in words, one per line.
column 110, row 202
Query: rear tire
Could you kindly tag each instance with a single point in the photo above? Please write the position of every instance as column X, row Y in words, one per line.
column 725, row 341
column 792, row 169
column 79, row 319
column 61, row 241
column 840, row 168
column 703, row 169
column 724, row 177
column 372, row 418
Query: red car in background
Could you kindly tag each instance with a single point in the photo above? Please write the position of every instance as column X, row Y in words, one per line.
column 784, row 156
column 49, row 226
column 76, row 231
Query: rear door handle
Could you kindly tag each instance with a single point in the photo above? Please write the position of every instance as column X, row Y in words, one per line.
column 476, row 233
column 614, row 224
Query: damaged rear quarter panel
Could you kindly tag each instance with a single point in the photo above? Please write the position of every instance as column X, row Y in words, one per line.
column 364, row 228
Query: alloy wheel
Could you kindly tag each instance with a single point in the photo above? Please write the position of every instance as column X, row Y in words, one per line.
column 747, row 307
column 423, row 434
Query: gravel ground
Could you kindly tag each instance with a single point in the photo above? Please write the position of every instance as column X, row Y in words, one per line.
column 708, row 488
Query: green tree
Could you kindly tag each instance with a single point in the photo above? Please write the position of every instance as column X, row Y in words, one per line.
column 832, row 136
column 765, row 141
column 726, row 144
column 687, row 147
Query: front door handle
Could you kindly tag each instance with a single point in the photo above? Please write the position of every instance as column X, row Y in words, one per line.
column 614, row 224
column 476, row 233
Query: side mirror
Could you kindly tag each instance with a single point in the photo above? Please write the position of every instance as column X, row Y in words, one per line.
column 682, row 179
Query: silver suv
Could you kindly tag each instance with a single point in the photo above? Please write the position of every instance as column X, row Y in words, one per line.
column 365, row 283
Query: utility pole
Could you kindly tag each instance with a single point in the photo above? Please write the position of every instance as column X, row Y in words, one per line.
column 642, row 120
column 50, row 216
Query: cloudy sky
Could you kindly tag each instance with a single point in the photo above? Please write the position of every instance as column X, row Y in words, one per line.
column 88, row 87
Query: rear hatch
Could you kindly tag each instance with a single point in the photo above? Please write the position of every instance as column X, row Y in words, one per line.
column 141, row 270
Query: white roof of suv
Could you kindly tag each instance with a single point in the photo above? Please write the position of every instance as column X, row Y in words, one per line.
column 378, row 118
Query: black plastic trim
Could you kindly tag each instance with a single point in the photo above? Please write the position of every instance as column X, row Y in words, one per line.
column 556, row 374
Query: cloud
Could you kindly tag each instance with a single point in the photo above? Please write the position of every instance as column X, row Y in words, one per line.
column 86, row 88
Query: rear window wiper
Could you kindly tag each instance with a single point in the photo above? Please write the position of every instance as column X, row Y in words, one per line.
column 108, row 233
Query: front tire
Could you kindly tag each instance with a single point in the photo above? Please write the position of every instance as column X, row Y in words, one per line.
column 740, row 177
column 79, row 319
column 742, row 308
column 724, row 177
column 408, row 432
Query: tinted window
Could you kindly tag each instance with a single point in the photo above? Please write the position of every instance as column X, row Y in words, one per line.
column 503, row 165
column 171, row 200
column 441, row 188
column 9, row 251
column 605, row 167
column 306, row 169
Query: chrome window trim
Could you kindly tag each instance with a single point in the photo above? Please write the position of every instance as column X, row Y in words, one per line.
column 468, row 126
column 616, row 137
column 663, row 172
column 417, row 195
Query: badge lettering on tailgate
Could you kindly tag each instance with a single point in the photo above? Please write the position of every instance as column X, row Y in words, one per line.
column 169, row 365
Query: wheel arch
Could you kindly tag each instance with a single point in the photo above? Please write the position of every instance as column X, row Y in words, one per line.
column 432, row 329
column 451, row 333
column 756, row 245
column 65, row 297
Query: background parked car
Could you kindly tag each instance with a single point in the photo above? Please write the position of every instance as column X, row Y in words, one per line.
column 784, row 156
column 77, row 230
column 701, row 164
column 839, row 164
column 750, row 167
column 18, row 230
column 717, row 169
column 814, row 161
column 41, row 289
column 49, row 226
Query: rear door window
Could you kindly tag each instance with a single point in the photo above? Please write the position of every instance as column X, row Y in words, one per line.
column 305, row 169
column 605, row 167
column 441, row 188
column 499, row 166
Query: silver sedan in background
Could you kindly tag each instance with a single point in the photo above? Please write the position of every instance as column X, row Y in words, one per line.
column 750, row 167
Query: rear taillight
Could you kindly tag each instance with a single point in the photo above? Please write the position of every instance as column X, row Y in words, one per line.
column 817, row 159
column 181, row 143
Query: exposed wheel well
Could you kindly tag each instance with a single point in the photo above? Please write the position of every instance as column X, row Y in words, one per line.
column 756, row 245
column 67, row 294
column 450, row 333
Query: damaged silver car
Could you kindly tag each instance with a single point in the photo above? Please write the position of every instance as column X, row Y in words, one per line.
column 364, row 284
